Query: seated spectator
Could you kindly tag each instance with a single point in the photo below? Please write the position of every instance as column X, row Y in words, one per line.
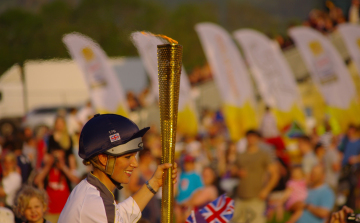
column 31, row 205
column 11, row 181
column 320, row 200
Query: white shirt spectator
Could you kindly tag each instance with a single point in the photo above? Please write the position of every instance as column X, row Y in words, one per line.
column 84, row 114
column 354, row 14
column 6, row 215
column 73, row 124
column 11, row 184
column 268, row 127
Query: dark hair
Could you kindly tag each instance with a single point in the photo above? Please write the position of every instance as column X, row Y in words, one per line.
column 253, row 132
column 144, row 152
column 305, row 138
column 318, row 146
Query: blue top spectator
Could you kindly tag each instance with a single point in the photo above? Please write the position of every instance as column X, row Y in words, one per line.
column 320, row 200
column 189, row 182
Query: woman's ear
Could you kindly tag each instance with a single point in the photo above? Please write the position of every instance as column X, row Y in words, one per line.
column 102, row 159
column 45, row 208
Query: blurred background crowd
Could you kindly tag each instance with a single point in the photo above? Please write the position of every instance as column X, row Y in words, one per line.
column 274, row 175
column 210, row 165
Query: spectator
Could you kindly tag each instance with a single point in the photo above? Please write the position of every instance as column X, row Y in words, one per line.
column 320, row 152
column 6, row 215
column 74, row 124
column 309, row 159
column 61, row 140
column 86, row 113
column 320, row 199
column 31, row 205
column 29, row 150
column 23, row 164
column 140, row 175
column 354, row 12
column 332, row 164
column 189, row 181
column 11, row 181
column 341, row 216
column 55, row 177
column 295, row 194
column 251, row 167
column 350, row 149
column 41, row 147
column 209, row 192
column 268, row 127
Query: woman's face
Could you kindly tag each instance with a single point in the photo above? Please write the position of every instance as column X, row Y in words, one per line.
column 9, row 164
column 59, row 124
column 35, row 210
column 208, row 176
column 124, row 166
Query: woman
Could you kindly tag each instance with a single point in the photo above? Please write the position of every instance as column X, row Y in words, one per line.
column 60, row 139
column 110, row 143
column 58, row 171
column 209, row 192
column 11, row 181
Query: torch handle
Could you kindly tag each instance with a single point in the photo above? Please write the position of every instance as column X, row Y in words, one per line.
column 169, row 70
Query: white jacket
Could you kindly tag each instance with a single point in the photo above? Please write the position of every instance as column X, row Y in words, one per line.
column 92, row 202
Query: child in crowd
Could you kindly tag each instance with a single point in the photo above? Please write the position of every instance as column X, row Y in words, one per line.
column 295, row 194
column 31, row 205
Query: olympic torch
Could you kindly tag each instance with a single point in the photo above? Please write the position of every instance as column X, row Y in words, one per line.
column 169, row 70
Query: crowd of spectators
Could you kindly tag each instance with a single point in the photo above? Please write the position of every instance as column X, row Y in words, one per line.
column 259, row 172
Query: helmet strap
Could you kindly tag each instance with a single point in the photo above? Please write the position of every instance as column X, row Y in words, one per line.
column 109, row 169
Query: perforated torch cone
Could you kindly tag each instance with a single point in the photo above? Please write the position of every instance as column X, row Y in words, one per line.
column 169, row 70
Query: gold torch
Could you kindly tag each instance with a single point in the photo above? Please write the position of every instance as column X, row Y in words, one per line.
column 169, row 70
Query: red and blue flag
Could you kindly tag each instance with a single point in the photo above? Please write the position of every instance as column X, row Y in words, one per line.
column 220, row 210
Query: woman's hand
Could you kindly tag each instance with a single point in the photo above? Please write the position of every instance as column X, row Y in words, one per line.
column 340, row 216
column 156, row 180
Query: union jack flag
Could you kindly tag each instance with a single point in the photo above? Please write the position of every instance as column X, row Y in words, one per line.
column 115, row 137
column 220, row 210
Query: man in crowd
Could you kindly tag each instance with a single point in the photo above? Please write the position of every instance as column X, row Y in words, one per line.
column 251, row 167
column 320, row 199
column 309, row 159
column 350, row 148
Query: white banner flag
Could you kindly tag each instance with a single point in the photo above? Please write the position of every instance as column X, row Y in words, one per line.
column 329, row 73
column 146, row 44
column 231, row 77
column 272, row 75
column 105, row 89
column 351, row 35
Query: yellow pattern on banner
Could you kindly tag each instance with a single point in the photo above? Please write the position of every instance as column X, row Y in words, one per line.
column 344, row 117
column 119, row 111
column 187, row 121
column 239, row 120
column 286, row 118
